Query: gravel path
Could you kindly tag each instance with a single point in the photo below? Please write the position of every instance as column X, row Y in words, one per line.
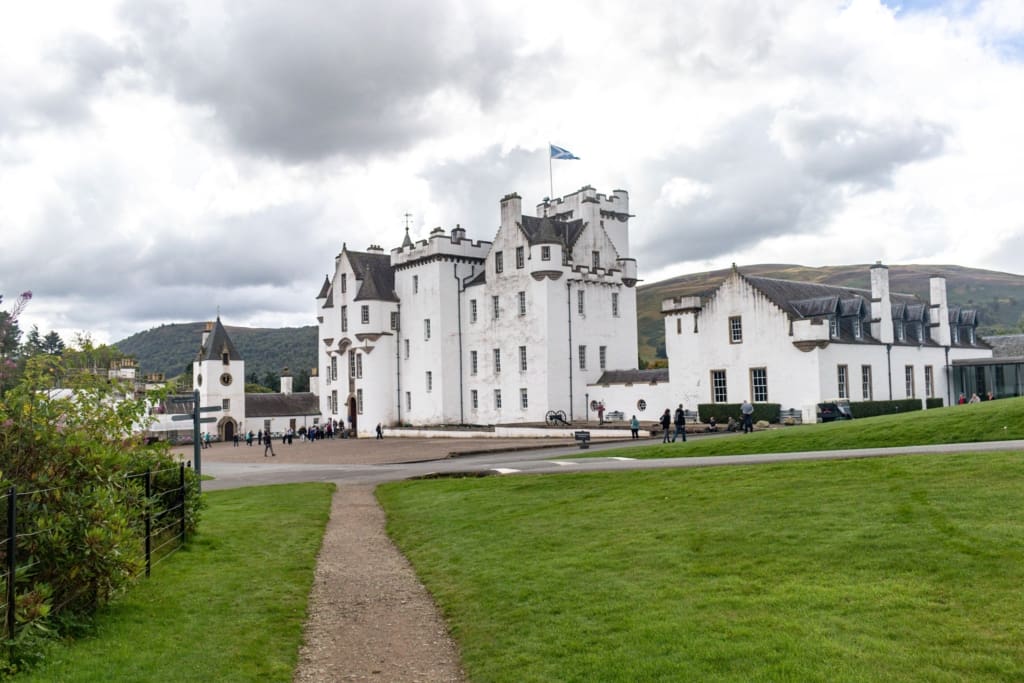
column 370, row 618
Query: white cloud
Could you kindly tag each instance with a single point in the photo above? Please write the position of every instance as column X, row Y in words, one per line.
column 158, row 159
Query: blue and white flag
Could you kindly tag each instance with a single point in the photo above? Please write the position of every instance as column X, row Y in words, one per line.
column 561, row 153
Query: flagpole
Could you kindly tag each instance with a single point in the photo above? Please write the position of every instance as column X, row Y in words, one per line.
column 551, row 174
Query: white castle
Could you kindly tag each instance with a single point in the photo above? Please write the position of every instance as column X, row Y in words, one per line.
column 452, row 330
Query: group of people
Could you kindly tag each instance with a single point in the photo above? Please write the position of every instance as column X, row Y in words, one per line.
column 975, row 398
column 673, row 426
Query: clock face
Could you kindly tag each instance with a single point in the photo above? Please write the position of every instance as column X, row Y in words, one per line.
column 225, row 379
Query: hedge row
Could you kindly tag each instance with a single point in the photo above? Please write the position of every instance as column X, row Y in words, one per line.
column 933, row 403
column 872, row 408
column 769, row 412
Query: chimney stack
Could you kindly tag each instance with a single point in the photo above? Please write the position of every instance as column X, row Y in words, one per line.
column 938, row 313
column 286, row 382
column 881, row 304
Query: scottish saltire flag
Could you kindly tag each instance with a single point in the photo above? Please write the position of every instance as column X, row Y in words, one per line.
column 561, row 153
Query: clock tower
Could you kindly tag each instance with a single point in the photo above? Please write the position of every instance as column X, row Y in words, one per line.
column 219, row 374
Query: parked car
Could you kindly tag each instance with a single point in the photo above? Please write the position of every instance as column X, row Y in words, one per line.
column 834, row 410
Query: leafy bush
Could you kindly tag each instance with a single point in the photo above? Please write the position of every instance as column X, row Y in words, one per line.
column 872, row 408
column 75, row 457
column 930, row 403
column 767, row 412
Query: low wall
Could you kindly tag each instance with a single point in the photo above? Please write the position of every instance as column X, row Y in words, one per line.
column 505, row 433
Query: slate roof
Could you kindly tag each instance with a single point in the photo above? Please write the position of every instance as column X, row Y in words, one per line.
column 217, row 343
column 633, row 376
column 544, row 230
column 281, row 405
column 325, row 288
column 375, row 273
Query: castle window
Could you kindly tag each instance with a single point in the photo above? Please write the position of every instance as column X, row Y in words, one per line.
column 497, row 360
column 583, row 356
column 842, row 381
column 473, row 365
column 595, row 259
column 394, row 321
column 581, row 302
column 364, row 315
column 929, row 381
column 406, row 348
column 545, row 253
column 524, row 401
column 759, row 383
column 736, row 330
column 472, row 310
column 334, row 402
column 900, row 333
column 858, row 328
column 408, row 400
column 426, row 329
column 865, row 381
column 496, row 311
column 430, row 381
column 344, row 287
column 522, row 303
column 474, row 398
column 908, row 375
column 359, row 401
column 522, row 359
column 415, row 284
column 497, row 399
column 956, row 334
column 970, row 335
column 833, row 327
column 225, row 359
column 344, row 318
column 615, row 304
column 719, row 388
column 351, row 364
column 499, row 262
column 520, row 258
column 225, row 404
column 359, row 366
column 334, row 368
column 602, row 356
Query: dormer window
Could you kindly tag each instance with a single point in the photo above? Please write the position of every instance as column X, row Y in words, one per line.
column 224, row 358
column 545, row 253
column 956, row 334
column 900, row 335
column 970, row 335
column 857, row 328
column 833, row 327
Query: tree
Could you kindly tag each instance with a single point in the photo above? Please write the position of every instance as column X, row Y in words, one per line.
column 33, row 342
column 9, row 336
column 52, row 343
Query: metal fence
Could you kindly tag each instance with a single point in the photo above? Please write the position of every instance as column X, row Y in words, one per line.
column 161, row 511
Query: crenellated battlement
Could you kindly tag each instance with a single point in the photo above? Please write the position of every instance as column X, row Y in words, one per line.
column 441, row 244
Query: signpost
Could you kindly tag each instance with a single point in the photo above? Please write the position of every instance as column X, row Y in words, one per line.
column 196, row 421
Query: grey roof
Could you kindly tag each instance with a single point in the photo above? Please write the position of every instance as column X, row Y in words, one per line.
column 281, row 405
column 375, row 273
column 325, row 288
column 797, row 297
column 1006, row 345
column 478, row 279
column 544, row 230
column 633, row 376
column 217, row 344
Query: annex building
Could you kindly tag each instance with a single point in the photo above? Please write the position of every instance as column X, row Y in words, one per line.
column 800, row 343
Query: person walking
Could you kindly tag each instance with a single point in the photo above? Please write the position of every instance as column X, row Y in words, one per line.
column 248, row 439
column 600, row 413
column 380, row 431
column 234, row 438
column 680, row 420
column 634, row 426
column 748, row 416
column 268, row 445
column 666, row 422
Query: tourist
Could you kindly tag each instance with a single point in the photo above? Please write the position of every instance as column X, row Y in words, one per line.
column 748, row 416
column 634, row 427
column 712, row 424
column 666, row 421
column 680, row 421
column 380, row 431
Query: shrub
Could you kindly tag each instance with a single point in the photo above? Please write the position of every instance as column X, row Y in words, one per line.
column 767, row 412
column 80, row 513
column 872, row 408
column 933, row 403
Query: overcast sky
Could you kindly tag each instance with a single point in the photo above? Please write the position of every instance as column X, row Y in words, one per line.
column 160, row 159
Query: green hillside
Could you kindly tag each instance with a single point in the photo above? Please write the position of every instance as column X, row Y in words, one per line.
column 998, row 297
column 170, row 349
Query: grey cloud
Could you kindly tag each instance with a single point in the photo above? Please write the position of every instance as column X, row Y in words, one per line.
column 841, row 149
column 305, row 81
column 759, row 187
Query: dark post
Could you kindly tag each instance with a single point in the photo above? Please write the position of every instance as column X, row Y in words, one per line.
column 196, row 446
column 12, row 528
column 181, row 496
column 149, row 520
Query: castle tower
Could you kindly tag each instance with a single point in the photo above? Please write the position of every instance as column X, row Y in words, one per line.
column 219, row 374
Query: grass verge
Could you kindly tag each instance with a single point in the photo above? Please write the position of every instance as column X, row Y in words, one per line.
column 987, row 421
column 902, row 568
column 228, row 607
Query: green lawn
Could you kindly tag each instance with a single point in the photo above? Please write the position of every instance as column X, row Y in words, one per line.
column 988, row 421
column 904, row 568
column 229, row 607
